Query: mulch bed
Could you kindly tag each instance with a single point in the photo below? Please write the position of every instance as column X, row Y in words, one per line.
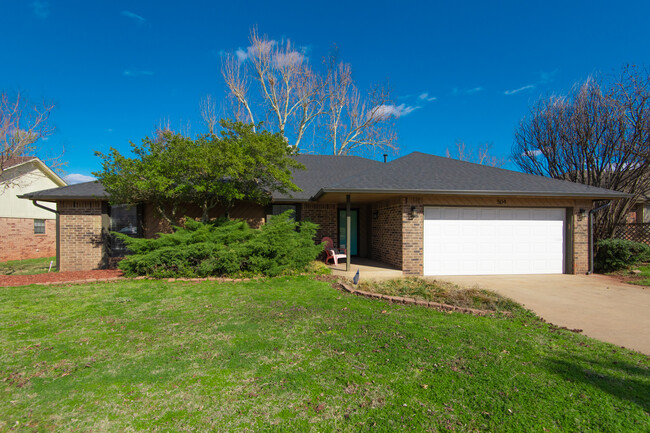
column 60, row 277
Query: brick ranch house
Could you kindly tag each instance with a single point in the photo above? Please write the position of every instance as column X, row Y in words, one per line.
column 423, row 214
column 26, row 231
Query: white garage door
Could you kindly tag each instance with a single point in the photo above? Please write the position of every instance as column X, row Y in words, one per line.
column 482, row 241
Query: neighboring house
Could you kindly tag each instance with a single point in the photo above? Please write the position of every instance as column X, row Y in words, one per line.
column 26, row 232
column 423, row 214
column 640, row 213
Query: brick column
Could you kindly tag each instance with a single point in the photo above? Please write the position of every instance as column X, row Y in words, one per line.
column 82, row 240
column 581, row 238
column 412, row 236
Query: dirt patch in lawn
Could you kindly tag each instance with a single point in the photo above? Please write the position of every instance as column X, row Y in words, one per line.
column 441, row 292
column 639, row 275
column 59, row 277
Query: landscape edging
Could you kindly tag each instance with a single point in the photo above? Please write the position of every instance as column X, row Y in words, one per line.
column 428, row 304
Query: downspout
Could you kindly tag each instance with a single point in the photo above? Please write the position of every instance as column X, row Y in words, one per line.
column 58, row 243
column 348, row 234
column 591, row 236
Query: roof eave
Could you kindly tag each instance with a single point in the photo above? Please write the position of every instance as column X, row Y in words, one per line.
column 56, row 198
column 593, row 196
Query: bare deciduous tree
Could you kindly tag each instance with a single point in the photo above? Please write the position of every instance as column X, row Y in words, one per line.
column 209, row 113
column 354, row 123
column 479, row 155
column 598, row 135
column 292, row 97
column 21, row 126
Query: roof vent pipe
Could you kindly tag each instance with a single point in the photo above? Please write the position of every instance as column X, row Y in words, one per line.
column 591, row 236
column 385, row 158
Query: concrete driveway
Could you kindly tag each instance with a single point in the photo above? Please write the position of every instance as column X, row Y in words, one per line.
column 601, row 306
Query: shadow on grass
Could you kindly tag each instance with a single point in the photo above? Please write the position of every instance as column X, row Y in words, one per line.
column 623, row 380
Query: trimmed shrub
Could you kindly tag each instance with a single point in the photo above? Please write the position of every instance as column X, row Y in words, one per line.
column 617, row 254
column 224, row 248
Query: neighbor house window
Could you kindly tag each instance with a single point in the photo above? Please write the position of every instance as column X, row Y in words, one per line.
column 39, row 227
column 126, row 220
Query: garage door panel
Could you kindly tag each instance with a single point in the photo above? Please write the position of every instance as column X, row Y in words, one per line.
column 477, row 241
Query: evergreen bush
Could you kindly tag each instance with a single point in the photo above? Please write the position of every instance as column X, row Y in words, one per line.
column 617, row 254
column 224, row 248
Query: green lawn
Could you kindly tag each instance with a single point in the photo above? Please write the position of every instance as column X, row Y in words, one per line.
column 27, row 267
column 293, row 354
column 642, row 279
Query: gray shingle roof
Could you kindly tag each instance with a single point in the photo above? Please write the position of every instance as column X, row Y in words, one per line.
column 414, row 173
column 86, row 190
column 324, row 170
column 423, row 173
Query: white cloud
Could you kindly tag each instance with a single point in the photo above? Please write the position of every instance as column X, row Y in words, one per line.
column 474, row 90
column 265, row 48
column 136, row 73
column 73, row 178
column 288, row 59
column 532, row 153
column 41, row 9
column 521, row 89
column 133, row 16
column 547, row 77
column 241, row 55
column 385, row 111
column 425, row 97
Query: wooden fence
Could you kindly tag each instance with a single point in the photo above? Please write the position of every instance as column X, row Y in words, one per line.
column 637, row 232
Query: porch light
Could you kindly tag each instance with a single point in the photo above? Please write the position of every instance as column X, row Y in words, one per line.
column 375, row 215
column 582, row 212
column 413, row 213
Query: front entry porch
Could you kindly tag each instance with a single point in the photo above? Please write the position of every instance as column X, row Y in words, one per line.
column 368, row 269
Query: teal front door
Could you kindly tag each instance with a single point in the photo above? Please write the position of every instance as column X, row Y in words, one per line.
column 354, row 223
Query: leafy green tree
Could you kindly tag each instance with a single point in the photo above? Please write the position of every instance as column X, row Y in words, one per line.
column 171, row 170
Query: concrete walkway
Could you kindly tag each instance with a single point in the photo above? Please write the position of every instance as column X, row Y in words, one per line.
column 601, row 306
column 368, row 270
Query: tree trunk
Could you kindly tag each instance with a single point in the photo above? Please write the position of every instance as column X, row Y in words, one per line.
column 205, row 217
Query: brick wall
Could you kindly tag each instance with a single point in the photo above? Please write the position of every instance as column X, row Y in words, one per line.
column 325, row 215
column 386, row 240
column 18, row 241
column 81, row 237
column 153, row 223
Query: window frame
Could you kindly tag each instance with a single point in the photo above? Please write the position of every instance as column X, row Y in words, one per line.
column 38, row 223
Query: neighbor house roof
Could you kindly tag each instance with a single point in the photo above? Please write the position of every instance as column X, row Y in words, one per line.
column 12, row 163
column 17, row 160
column 415, row 173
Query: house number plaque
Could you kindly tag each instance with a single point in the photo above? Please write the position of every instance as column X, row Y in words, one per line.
column 501, row 202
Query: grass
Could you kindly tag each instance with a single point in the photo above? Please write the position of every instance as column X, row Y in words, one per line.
column 293, row 354
column 27, row 267
column 643, row 279
column 630, row 277
column 442, row 292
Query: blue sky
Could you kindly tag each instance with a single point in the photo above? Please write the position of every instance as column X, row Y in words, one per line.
column 114, row 69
